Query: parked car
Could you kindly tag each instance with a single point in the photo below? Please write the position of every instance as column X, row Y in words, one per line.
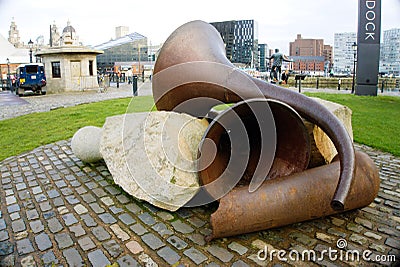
column 30, row 78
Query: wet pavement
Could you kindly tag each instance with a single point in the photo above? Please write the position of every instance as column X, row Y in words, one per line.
column 58, row 211
column 7, row 98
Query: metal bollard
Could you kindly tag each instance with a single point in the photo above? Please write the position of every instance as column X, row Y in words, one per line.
column 134, row 85
column 300, row 86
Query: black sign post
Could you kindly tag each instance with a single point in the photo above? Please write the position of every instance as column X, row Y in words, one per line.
column 368, row 47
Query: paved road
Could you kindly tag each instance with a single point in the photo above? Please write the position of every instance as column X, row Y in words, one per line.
column 59, row 211
column 9, row 99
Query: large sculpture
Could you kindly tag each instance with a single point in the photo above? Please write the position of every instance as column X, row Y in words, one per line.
column 192, row 75
column 252, row 156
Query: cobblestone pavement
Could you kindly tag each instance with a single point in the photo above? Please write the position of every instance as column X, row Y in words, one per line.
column 58, row 211
column 54, row 101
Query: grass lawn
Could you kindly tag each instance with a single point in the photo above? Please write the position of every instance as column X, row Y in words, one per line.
column 27, row 132
column 375, row 122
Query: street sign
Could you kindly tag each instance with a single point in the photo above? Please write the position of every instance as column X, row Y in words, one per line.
column 368, row 47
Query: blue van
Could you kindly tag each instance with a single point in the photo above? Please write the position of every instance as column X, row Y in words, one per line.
column 30, row 78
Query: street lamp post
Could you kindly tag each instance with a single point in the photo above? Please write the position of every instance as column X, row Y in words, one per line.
column 354, row 47
column 30, row 44
column 140, row 71
column 8, row 75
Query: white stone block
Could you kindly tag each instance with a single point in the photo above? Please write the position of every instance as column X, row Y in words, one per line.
column 152, row 155
column 322, row 142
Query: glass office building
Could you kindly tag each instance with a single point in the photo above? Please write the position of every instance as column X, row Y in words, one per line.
column 263, row 51
column 390, row 53
column 241, row 41
column 124, row 49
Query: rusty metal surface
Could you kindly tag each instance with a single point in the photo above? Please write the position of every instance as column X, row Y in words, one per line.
column 291, row 154
column 296, row 198
column 192, row 75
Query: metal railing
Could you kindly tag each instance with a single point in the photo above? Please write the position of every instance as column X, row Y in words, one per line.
column 384, row 84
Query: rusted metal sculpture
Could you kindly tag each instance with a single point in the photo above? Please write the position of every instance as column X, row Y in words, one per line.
column 277, row 201
column 192, row 74
column 292, row 153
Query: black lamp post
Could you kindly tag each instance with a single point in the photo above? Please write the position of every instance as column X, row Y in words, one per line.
column 30, row 44
column 8, row 74
column 354, row 47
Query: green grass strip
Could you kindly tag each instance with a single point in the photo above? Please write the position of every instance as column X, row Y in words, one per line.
column 375, row 120
column 27, row 132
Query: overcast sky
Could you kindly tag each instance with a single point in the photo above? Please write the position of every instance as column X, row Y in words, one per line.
column 279, row 21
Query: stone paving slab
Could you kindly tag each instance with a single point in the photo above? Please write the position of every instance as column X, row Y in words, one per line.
column 59, row 211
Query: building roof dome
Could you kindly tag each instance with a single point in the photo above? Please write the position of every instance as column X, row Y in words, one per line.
column 69, row 28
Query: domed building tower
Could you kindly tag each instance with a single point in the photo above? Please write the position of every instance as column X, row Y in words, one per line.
column 69, row 36
column 13, row 35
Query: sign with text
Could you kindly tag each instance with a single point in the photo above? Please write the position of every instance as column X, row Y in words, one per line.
column 369, row 22
column 368, row 47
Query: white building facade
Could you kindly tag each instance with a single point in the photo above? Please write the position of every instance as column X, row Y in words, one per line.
column 68, row 65
column 70, row 68
column 343, row 52
column 390, row 53
column 121, row 31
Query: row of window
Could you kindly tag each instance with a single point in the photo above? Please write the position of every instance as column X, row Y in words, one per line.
column 56, row 69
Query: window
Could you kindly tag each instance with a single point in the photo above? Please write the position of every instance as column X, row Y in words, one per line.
column 91, row 67
column 56, row 69
column 31, row 69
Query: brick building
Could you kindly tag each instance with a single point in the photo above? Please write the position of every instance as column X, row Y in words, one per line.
column 328, row 54
column 312, row 65
column 306, row 47
column 310, row 55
